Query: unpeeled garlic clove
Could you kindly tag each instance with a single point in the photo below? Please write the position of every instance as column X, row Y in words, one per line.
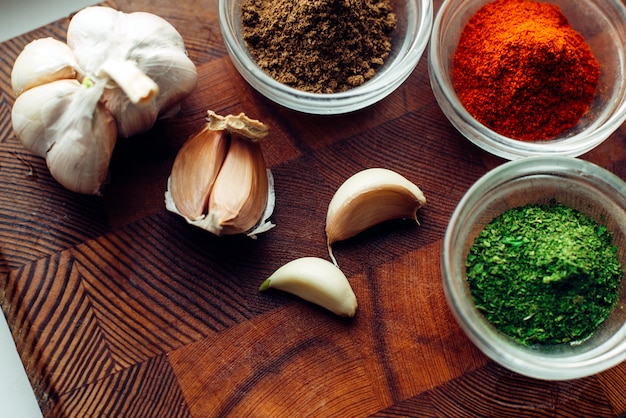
column 38, row 108
column 220, row 181
column 368, row 198
column 195, row 170
column 40, row 62
column 65, row 122
column 79, row 159
column 315, row 280
column 240, row 192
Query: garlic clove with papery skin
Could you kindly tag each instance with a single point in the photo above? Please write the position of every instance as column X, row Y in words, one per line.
column 240, row 192
column 144, row 57
column 80, row 158
column 42, row 61
column 368, row 198
column 38, row 108
column 241, row 199
column 219, row 179
column 195, row 170
column 65, row 122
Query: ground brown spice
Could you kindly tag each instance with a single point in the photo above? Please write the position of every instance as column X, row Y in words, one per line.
column 320, row 46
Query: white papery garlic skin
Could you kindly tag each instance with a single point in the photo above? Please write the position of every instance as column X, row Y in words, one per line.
column 315, row 280
column 71, row 129
column 368, row 198
column 37, row 109
column 142, row 54
column 40, row 62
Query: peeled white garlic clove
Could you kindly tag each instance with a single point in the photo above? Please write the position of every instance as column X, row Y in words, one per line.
column 144, row 57
column 40, row 62
column 368, row 198
column 220, row 181
column 315, row 280
column 64, row 122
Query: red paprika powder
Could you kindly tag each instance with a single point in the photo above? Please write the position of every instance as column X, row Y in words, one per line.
column 523, row 71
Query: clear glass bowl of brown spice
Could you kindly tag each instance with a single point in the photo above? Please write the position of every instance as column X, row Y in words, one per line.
column 530, row 304
column 356, row 66
column 539, row 78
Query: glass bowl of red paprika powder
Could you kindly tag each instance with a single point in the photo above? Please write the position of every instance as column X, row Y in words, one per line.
column 413, row 23
column 529, row 303
column 516, row 94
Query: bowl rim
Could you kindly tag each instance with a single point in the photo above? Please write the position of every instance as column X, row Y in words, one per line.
column 495, row 143
column 523, row 361
column 372, row 91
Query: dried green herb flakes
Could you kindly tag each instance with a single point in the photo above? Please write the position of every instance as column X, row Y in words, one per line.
column 544, row 274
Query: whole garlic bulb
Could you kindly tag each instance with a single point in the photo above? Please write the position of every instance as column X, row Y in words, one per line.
column 116, row 75
column 142, row 54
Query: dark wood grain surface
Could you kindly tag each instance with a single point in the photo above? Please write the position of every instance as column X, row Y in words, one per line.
column 120, row 309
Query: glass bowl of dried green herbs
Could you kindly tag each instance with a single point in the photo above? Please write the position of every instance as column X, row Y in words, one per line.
column 521, row 78
column 322, row 57
column 532, row 264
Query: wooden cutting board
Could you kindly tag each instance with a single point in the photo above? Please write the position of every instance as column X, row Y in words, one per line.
column 120, row 309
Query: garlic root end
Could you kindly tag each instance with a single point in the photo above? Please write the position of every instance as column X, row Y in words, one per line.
column 265, row 285
column 330, row 253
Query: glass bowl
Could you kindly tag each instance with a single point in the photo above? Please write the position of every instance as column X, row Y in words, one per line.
column 414, row 23
column 603, row 25
column 576, row 183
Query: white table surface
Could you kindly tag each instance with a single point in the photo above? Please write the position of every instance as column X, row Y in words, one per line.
column 17, row 399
